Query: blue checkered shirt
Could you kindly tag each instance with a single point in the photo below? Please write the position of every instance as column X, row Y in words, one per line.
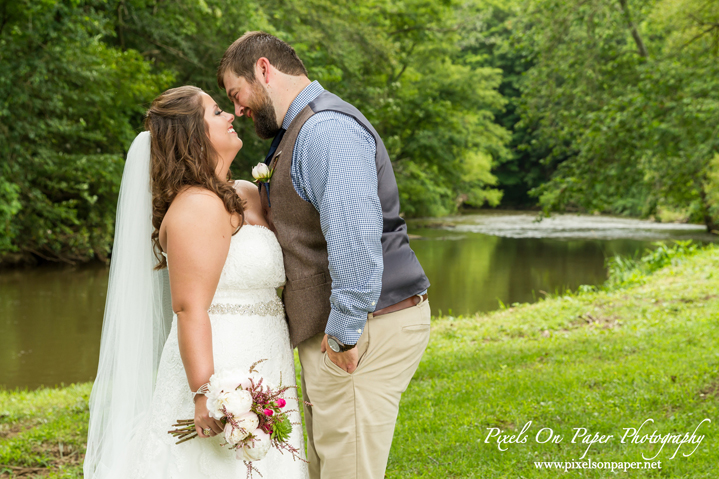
column 333, row 167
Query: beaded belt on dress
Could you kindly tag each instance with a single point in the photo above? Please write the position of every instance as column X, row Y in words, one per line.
column 267, row 308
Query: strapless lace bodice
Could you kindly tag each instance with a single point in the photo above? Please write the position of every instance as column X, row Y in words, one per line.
column 254, row 263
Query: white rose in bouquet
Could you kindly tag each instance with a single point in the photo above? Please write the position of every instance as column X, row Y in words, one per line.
column 234, row 435
column 238, row 402
column 214, row 404
column 246, row 423
column 223, row 392
column 257, row 450
column 227, row 380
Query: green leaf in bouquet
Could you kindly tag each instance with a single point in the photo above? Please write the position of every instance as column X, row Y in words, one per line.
column 282, row 429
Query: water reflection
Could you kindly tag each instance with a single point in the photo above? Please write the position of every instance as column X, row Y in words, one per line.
column 473, row 272
column 51, row 317
column 50, row 324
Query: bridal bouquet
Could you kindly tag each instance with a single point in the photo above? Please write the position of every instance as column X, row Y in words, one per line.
column 252, row 412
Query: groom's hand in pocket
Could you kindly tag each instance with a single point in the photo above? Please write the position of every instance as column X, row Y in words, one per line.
column 346, row 361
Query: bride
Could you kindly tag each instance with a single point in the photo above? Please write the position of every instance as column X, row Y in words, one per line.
column 178, row 213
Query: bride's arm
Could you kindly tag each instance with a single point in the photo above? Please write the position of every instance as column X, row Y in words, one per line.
column 198, row 231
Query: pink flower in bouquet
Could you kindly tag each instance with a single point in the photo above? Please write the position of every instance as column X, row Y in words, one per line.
column 268, row 412
column 281, row 402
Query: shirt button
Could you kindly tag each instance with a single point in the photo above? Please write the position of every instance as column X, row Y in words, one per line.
column 372, row 303
column 359, row 331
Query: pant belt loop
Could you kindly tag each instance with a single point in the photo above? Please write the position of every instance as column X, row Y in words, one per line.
column 421, row 299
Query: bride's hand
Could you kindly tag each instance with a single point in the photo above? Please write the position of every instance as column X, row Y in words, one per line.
column 203, row 421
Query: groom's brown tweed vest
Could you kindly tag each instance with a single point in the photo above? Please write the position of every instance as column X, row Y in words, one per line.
column 297, row 225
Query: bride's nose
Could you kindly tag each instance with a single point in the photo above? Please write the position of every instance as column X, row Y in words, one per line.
column 232, row 117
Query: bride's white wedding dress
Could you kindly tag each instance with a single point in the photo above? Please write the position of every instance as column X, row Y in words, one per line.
column 248, row 324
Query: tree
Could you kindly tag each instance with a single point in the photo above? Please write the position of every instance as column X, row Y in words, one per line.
column 79, row 75
column 70, row 106
column 631, row 109
column 400, row 63
column 490, row 38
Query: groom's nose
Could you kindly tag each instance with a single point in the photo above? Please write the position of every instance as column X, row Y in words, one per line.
column 239, row 111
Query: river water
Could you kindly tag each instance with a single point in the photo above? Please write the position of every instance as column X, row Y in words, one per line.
column 51, row 316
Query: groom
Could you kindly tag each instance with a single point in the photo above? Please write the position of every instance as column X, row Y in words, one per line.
column 355, row 296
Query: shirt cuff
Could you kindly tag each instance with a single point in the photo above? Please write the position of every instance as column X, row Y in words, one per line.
column 344, row 327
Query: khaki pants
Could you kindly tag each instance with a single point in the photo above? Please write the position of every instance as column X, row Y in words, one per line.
column 352, row 418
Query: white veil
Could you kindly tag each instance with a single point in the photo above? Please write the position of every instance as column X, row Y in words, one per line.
column 137, row 320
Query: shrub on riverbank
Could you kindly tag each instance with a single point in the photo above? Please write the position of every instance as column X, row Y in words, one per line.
column 601, row 360
column 624, row 271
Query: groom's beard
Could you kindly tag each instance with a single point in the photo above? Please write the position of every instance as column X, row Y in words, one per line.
column 264, row 115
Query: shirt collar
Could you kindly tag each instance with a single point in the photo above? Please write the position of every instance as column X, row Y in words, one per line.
column 309, row 93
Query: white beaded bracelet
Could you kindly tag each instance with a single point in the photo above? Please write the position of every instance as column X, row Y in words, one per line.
column 204, row 389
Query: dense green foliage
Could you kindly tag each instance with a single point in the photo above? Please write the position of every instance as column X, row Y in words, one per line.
column 78, row 74
column 490, row 37
column 624, row 95
column 613, row 105
column 69, row 106
column 600, row 105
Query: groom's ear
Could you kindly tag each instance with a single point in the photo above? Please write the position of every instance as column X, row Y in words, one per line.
column 264, row 71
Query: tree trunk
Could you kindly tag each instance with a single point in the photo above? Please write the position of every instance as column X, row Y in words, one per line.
column 709, row 221
column 633, row 29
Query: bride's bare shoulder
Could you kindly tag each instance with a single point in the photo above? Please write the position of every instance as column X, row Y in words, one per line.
column 196, row 209
column 195, row 200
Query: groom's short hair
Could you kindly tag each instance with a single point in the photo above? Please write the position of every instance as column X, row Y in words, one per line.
column 241, row 56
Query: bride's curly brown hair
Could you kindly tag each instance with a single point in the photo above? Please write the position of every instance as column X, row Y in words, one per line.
column 181, row 156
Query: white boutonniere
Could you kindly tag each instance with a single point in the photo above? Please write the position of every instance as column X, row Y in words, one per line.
column 262, row 173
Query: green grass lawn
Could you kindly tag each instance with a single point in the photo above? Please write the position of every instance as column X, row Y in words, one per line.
column 603, row 361
column 42, row 433
column 599, row 360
